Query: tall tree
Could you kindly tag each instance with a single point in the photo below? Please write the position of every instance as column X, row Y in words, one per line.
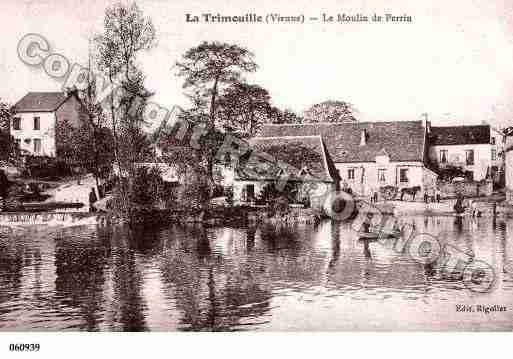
column 9, row 152
column 207, row 69
column 126, row 33
column 244, row 108
column 331, row 111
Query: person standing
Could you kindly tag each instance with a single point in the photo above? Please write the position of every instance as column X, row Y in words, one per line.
column 92, row 199
column 375, row 194
column 438, row 194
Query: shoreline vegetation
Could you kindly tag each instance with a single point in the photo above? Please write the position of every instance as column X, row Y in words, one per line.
column 231, row 216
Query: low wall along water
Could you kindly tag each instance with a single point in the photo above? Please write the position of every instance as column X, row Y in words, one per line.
column 46, row 218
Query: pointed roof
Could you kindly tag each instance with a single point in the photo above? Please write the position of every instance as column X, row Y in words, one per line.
column 383, row 152
column 41, row 102
column 298, row 157
column 402, row 140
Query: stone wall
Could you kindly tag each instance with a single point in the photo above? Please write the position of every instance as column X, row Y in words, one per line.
column 467, row 189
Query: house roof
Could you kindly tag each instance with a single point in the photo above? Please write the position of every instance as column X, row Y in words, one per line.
column 40, row 102
column 460, row 135
column 401, row 140
column 304, row 157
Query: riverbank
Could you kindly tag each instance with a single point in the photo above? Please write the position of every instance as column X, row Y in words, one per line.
column 486, row 207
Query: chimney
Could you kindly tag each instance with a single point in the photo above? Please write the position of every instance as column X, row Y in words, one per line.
column 425, row 123
column 363, row 137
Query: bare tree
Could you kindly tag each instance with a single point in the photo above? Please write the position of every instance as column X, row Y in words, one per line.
column 126, row 33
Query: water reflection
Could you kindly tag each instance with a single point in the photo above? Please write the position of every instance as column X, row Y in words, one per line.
column 281, row 278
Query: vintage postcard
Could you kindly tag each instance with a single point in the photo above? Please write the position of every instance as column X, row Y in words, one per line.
column 261, row 166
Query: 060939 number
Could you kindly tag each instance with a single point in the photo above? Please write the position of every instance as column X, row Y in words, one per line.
column 24, row 347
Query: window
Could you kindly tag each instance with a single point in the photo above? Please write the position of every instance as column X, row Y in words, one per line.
column 494, row 154
column 382, row 175
column 443, row 156
column 403, row 175
column 37, row 123
column 350, row 174
column 18, row 143
column 493, row 140
column 16, row 123
column 37, row 145
column 469, row 157
column 469, row 175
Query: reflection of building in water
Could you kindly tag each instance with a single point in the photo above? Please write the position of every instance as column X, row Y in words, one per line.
column 508, row 154
column 507, row 263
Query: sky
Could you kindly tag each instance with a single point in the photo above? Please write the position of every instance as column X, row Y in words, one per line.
column 454, row 61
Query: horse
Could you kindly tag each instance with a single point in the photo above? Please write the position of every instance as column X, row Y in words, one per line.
column 412, row 191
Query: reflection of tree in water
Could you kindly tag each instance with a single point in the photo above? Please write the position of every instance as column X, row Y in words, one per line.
column 11, row 266
column 366, row 249
column 210, row 291
column 280, row 237
column 80, row 268
column 458, row 223
column 291, row 256
column 250, row 240
column 127, row 276
column 335, row 246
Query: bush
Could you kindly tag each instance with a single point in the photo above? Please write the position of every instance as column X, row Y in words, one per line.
column 194, row 193
column 388, row 192
column 136, row 198
column 47, row 167
column 4, row 184
column 228, row 193
column 270, row 193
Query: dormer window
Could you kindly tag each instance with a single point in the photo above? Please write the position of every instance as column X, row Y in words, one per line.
column 363, row 137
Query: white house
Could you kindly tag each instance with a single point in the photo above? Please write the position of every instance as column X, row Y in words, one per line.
column 508, row 151
column 472, row 148
column 371, row 155
column 35, row 117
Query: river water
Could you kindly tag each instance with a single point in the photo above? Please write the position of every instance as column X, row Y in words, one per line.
column 263, row 278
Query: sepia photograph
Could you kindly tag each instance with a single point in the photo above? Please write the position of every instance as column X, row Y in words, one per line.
column 273, row 166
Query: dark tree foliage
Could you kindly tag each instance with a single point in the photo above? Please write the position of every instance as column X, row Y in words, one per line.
column 207, row 70
column 271, row 193
column 278, row 116
column 243, row 108
column 209, row 67
column 9, row 152
column 331, row 111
